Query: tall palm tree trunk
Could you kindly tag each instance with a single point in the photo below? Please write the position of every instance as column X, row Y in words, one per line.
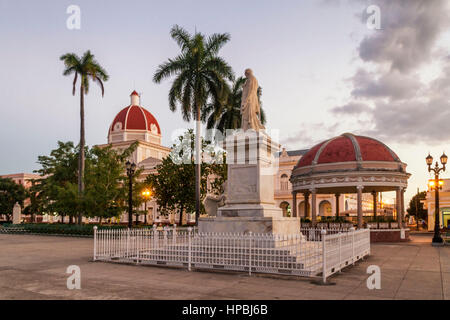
column 197, row 165
column 81, row 155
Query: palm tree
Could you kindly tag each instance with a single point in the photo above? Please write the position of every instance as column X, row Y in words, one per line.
column 86, row 68
column 200, row 76
column 228, row 115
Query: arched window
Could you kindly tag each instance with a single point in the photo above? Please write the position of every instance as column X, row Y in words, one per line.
column 284, row 180
column 325, row 208
column 286, row 207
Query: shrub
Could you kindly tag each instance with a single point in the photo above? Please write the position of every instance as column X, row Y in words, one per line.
column 63, row 229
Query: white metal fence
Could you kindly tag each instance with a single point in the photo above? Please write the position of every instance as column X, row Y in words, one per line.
column 309, row 253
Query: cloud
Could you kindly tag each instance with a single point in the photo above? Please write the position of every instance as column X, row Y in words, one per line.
column 411, row 122
column 352, row 108
column 393, row 85
column 404, row 108
column 310, row 135
column 409, row 30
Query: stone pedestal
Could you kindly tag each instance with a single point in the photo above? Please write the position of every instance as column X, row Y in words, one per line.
column 250, row 204
column 17, row 210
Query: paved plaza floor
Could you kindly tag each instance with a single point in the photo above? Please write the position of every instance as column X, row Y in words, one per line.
column 34, row 267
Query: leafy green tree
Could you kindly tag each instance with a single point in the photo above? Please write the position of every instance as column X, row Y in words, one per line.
column 106, row 187
column 228, row 115
column 105, row 193
column 58, row 186
column 10, row 193
column 412, row 210
column 200, row 76
column 174, row 184
column 86, row 68
column 36, row 205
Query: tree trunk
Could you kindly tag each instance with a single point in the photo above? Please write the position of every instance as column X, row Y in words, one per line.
column 180, row 223
column 81, row 155
column 197, row 166
column 62, row 218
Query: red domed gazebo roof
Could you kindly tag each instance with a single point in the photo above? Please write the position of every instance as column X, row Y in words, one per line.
column 347, row 148
column 135, row 117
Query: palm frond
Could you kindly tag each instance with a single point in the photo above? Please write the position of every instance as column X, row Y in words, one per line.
column 170, row 67
column 216, row 42
column 181, row 36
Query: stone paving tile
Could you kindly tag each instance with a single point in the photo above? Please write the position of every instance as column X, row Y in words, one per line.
column 365, row 297
column 33, row 267
column 417, row 295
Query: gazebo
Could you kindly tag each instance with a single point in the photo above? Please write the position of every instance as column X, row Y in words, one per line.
column 349, row 164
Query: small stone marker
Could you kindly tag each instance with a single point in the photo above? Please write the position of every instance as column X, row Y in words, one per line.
column 17, row 210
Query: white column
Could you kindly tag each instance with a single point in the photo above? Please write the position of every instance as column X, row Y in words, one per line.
column 398, row 203
column 313, row 206
column 403, row 207
column 294, row 204
column 359, row 206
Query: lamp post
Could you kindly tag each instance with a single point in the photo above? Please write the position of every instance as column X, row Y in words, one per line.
column 131, row 168
column 436, row 184
column 417, row 209
column 146, row 194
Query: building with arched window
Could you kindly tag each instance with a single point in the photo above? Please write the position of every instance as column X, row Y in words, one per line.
column 444, row 206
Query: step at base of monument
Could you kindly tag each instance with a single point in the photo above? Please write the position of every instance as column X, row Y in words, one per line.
column 278, row 258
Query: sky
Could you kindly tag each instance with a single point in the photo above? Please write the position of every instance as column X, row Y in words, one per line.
column 322, row 69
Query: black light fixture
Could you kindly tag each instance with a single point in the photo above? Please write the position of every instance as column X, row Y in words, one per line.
column 436, row 184
column 131, row 169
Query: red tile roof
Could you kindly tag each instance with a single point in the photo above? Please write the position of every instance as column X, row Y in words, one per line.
column 135, row 118
column 345, row 148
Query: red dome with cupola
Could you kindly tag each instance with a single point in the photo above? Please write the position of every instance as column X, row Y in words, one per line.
column 134, row 122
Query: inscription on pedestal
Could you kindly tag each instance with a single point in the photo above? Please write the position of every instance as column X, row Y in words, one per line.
column 242, row 183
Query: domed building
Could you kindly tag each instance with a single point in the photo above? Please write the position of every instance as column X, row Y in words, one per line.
column 135, row 124
column 132, row 124
column 349, row 164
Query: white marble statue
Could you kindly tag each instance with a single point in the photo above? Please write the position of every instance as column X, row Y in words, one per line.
column 213, row 202
column 250, row 107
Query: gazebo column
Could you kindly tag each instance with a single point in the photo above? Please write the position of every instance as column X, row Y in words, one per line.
column 398, row 203
column 306, row 196
column 337, row 195
column 375, row 204
column 313, row 206
column 294, row 204
column 402, row 206
column 359, row 206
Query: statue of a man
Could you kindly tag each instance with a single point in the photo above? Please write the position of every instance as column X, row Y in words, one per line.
column 250, row 108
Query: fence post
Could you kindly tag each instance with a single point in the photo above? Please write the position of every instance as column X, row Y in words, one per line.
column 250, row 254
column 138, row 245
column 174, row 235
column 189, row 248
column 128, row 243
column 340, row 250
column 352, row 230
column 165, row 236
column 324, row 256
column 155, row 238
column 95, row 243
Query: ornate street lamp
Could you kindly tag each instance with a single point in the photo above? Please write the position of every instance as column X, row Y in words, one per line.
column 436, row 184
column 146, row 194
column 131, row 168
